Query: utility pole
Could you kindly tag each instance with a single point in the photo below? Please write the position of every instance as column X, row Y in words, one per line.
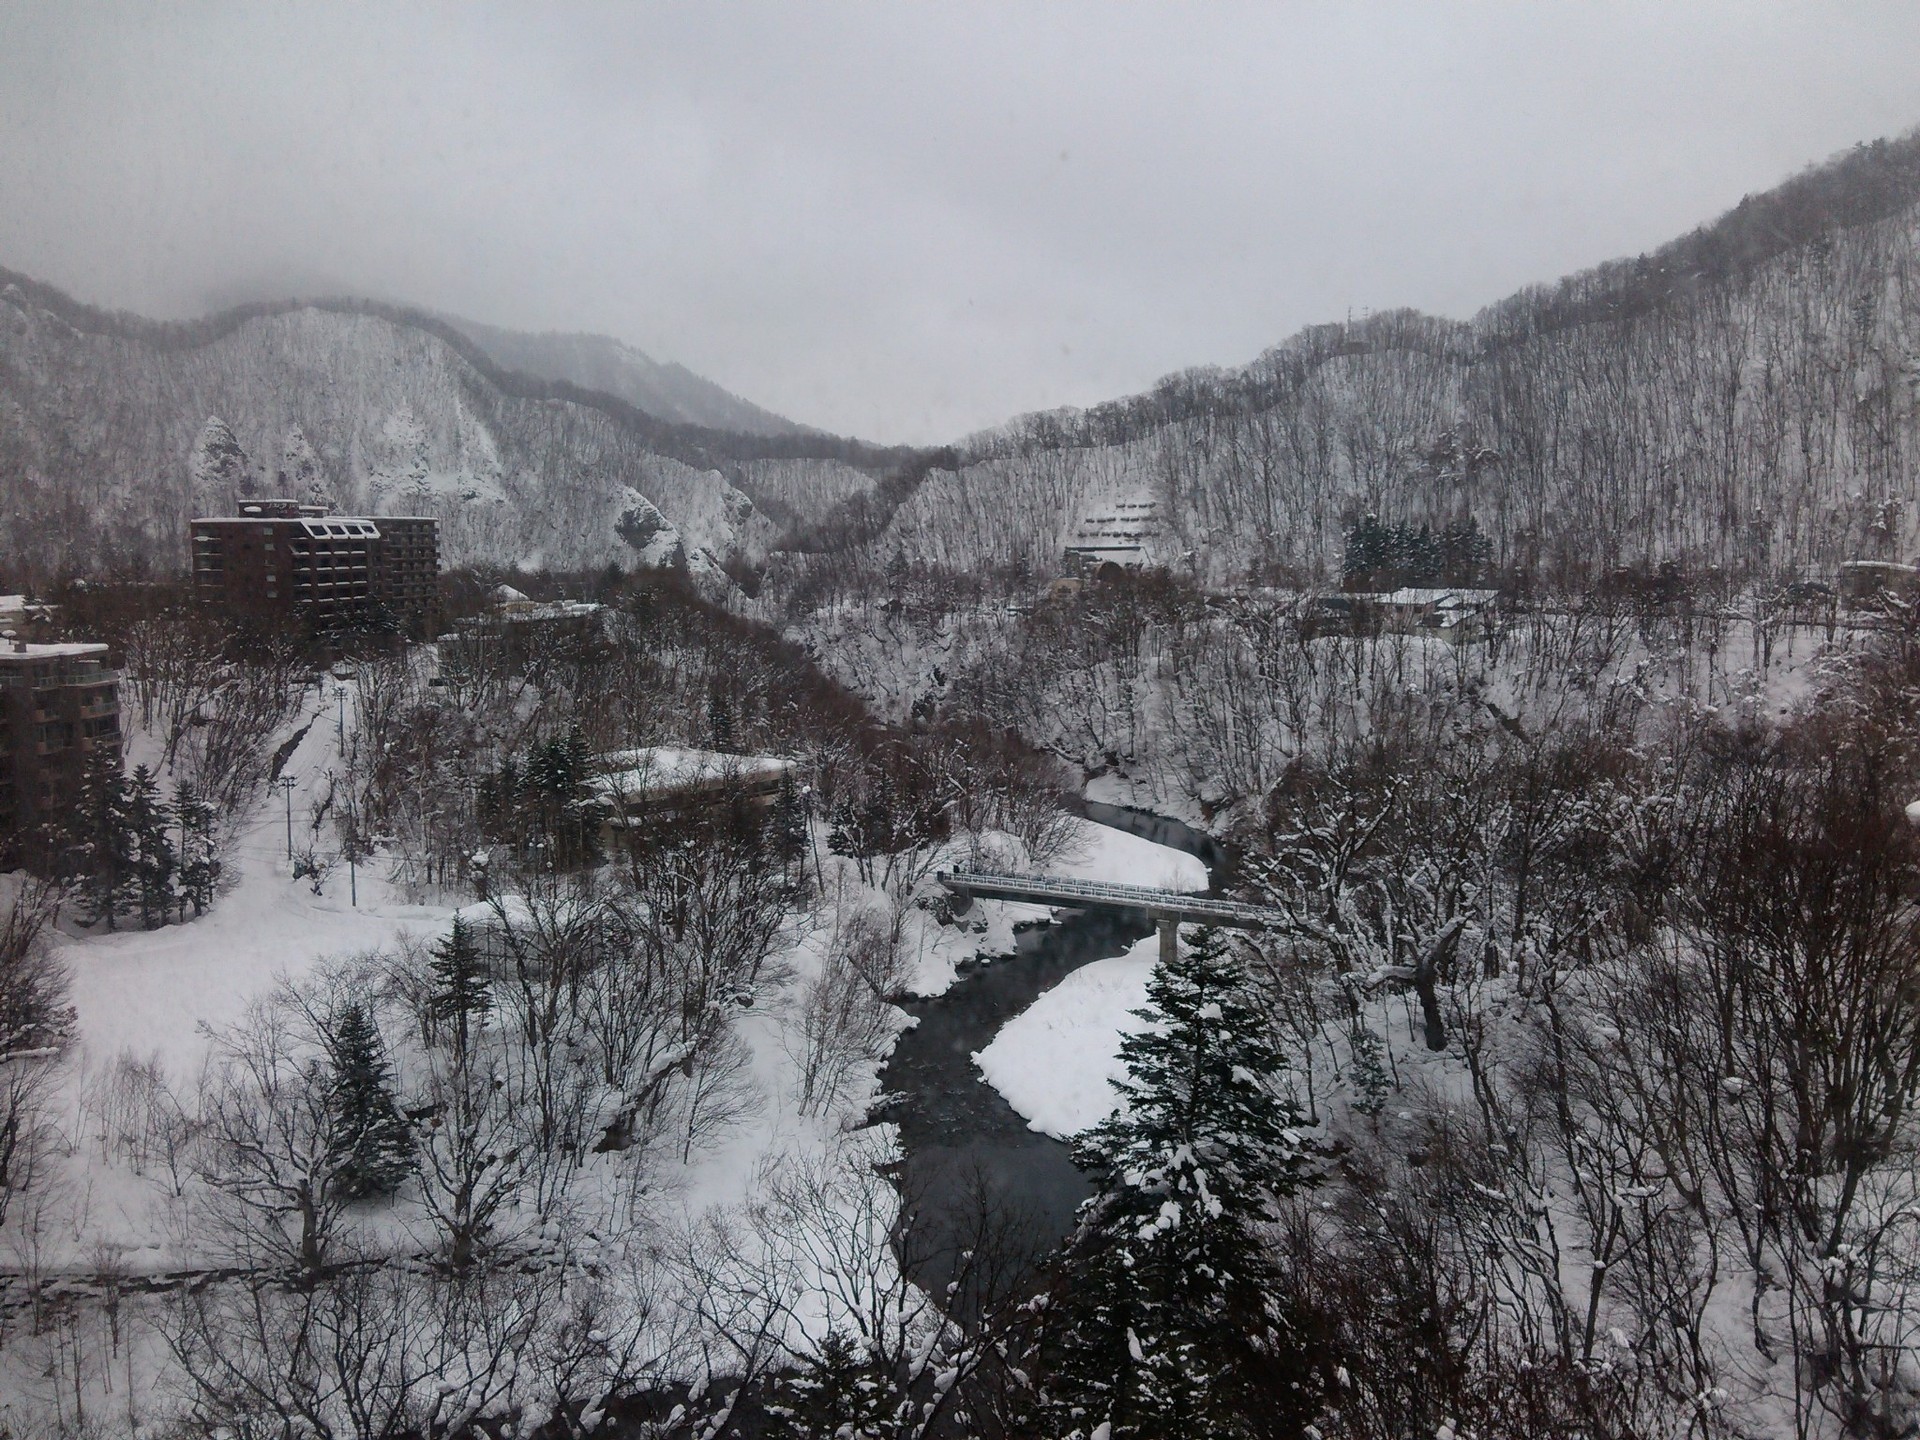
column 340, row 725
column 287, row 784
column 353, row 844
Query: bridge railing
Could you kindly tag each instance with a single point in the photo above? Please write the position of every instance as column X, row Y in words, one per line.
column 1062, row 889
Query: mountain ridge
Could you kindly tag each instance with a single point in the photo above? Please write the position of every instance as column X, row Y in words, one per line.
column 101, row 417
column 602, row 363
column 1632, row 413
column 1743, row 398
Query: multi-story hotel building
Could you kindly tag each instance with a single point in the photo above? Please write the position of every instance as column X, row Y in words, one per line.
column 338, row 572
column 59, row 707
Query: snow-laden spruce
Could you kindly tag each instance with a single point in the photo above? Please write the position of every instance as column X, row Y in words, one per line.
column 1174, row 1325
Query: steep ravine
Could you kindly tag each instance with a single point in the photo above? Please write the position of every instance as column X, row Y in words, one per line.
column 957, row 1135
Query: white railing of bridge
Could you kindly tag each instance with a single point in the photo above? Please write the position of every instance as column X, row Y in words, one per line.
column 1105, row 892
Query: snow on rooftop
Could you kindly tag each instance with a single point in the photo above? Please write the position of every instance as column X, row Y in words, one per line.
column 1421, row 595
column 68, row 650
column 655, row 768
column 551, row 610
column 514, row 912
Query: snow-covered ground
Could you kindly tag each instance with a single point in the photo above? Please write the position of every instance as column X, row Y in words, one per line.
column 162, row 995
column 1053, row 1062
column 150, row 991
column 1056, row 1060
column 1105, row 853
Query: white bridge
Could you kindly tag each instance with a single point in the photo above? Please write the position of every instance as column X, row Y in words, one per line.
column 1168, row 909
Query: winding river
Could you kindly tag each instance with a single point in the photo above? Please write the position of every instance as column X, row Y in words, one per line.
column 957, row 1135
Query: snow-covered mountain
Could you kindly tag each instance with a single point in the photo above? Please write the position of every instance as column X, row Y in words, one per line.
column 114, row 431
column 1747, row 397
column 599, row 362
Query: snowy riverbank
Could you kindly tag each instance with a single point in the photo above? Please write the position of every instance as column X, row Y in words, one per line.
column 1055, row 1062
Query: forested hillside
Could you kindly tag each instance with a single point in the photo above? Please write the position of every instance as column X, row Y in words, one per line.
column 115, row 430
column 1742, row 398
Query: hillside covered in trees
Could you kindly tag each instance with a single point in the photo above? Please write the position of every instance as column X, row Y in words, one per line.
column 1743, row 397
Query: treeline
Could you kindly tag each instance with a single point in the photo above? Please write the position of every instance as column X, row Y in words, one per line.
column 428, row 1183
column 1382, row 557
column 1607, row 1022
column 130, row 851
column 1591, row 1057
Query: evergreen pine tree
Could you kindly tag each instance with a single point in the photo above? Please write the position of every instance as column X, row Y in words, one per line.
column 198, row 867
column 103, row 847
column 1371, row 546
column 720, row 729
column 1174, row 1321
column 369, row 1146
column 832, row 1396
column 789, row 823
column 460, row 997
column 1372, row 1082
column 552, row 793
column 154, row 857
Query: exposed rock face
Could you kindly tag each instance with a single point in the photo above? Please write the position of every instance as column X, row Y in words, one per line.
column 114, row 432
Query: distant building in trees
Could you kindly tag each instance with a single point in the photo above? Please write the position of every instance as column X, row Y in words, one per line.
column 514, row 628
column 1874, row 584
column 1456, row 616
column 337, row 572
column 26, row 618
column 635, row 789
column 59, row 708
column 1119, row 534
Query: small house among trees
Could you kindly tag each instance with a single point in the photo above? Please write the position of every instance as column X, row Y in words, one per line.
column 1456, row 616
column 665, row 782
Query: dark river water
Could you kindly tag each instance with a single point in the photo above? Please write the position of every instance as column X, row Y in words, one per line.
column 959, row 1139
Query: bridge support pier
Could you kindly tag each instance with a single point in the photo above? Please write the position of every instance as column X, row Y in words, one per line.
column 1169, row 939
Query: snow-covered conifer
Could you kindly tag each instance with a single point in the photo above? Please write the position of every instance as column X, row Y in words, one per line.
column 1174, row 1326
column 369, row 1144
column 155, row 860
column 460, row 996
column 102, row 852
column 199, row 868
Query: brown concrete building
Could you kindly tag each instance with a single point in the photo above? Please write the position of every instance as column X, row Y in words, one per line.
column 340, row 572
column 59, row 707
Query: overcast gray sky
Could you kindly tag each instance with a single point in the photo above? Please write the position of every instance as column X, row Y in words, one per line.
column 908, row 221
